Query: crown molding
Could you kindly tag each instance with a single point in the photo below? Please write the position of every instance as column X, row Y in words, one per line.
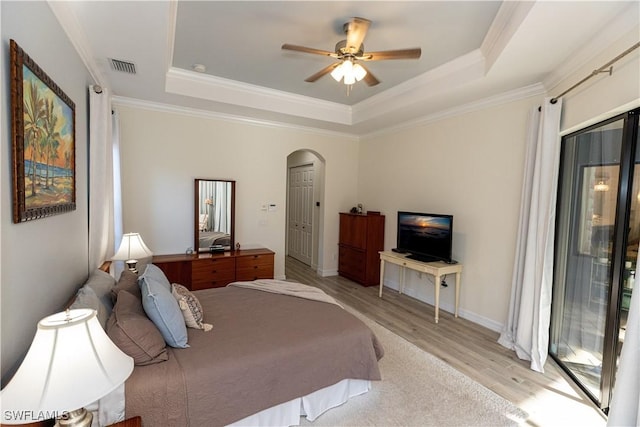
column 492, row 101
column 207, row 114
column 171, row 32
column 69, row 23
column 619, row 27
column 454, row 73
column 536, row 89
column 507, row 21
column 190, row 83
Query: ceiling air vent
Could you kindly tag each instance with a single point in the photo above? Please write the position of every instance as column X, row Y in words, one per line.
column 123, row 66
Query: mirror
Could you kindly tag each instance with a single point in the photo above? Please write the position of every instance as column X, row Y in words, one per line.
column 214, row 215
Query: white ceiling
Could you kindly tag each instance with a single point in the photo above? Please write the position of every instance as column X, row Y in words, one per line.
column 471, row 51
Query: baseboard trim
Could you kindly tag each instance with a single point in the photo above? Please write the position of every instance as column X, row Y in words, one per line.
column 327, row 273
column 449, row 308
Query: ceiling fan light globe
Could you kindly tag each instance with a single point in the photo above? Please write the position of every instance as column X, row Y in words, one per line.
column 359, row 72
column 349, row 76
column 349, row 79
column 337, row 73
column 347, row 66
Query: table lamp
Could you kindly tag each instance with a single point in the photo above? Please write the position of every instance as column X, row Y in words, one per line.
column 131, row 249
column 71, row 363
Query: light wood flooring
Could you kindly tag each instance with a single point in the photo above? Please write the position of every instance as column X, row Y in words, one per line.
column 550, row 399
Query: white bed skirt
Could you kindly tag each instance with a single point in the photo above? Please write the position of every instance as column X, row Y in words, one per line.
column 312, row 405
column 110, row 409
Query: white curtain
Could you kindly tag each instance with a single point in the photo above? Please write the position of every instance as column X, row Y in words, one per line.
column 527, row 329
column 100, row 177
column 624, row 409
column 118, row 266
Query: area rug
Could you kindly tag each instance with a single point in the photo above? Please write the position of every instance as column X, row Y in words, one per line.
column 418, row 389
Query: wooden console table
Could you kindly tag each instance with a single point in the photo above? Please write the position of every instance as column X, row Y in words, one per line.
column 436, row 269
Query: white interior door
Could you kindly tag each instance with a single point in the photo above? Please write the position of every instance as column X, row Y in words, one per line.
column 301, row 213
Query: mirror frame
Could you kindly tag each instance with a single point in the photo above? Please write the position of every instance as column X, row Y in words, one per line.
column 196, row 217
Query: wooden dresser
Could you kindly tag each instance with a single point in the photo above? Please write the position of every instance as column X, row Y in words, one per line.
column 361, row 238
column 206, row 270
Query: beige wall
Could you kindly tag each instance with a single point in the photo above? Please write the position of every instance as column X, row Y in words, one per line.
column 163, row 152
column 469, row 166
column 45, row 260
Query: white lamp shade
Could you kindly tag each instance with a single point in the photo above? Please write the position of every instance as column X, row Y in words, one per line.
column 132, row 247
column 71, row 363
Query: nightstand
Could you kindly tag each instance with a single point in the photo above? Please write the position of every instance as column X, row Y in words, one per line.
column 129, row 422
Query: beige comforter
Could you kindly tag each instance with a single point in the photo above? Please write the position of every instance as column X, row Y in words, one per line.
column 264, row 349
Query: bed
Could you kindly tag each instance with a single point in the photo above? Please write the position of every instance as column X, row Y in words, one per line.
column 268, row 358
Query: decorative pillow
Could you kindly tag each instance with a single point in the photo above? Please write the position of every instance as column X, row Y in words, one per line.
column 87, row 298
column 102, row 283
column 132, row 331
column 191, row 308
column 128, row 282
column 163, row 310
column 153, row 272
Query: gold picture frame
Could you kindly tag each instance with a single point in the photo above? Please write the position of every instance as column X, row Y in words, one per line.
column 43, row 142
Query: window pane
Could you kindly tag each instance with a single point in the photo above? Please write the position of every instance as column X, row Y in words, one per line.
column 586, row 219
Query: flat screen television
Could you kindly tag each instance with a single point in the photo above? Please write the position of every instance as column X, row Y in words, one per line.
column 426, row 237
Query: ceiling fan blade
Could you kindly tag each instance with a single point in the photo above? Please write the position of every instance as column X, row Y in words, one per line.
column 287, row 46
column 325, row 70
column 356, row 31
column 369, row 79
column 392, row 54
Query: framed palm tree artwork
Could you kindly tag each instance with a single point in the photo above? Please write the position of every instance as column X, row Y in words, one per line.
column 43, row 142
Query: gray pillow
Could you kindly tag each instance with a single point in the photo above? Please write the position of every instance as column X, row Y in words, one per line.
column 87, row 298
column 132, row 331
column 163, row 309
column 128, row 281
column 102, row 283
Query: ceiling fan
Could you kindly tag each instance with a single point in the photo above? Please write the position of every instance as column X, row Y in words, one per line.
column 349, row 52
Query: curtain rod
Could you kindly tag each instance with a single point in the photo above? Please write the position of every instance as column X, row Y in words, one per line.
column 606, row 68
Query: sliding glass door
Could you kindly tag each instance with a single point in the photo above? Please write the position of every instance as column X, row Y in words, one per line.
column 597, row 233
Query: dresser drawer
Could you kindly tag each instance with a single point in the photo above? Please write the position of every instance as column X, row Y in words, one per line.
column 351, row 263
column 264, row 272
column 254, row 267
column 254, row 260
column 212, row 273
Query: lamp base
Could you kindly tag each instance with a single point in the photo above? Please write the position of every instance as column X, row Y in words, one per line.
column 78, row 418
column 131, row 265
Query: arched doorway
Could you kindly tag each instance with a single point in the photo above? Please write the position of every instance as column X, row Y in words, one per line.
column 305, row 206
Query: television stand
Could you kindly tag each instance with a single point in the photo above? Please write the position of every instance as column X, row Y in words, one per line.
column 436, row 269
